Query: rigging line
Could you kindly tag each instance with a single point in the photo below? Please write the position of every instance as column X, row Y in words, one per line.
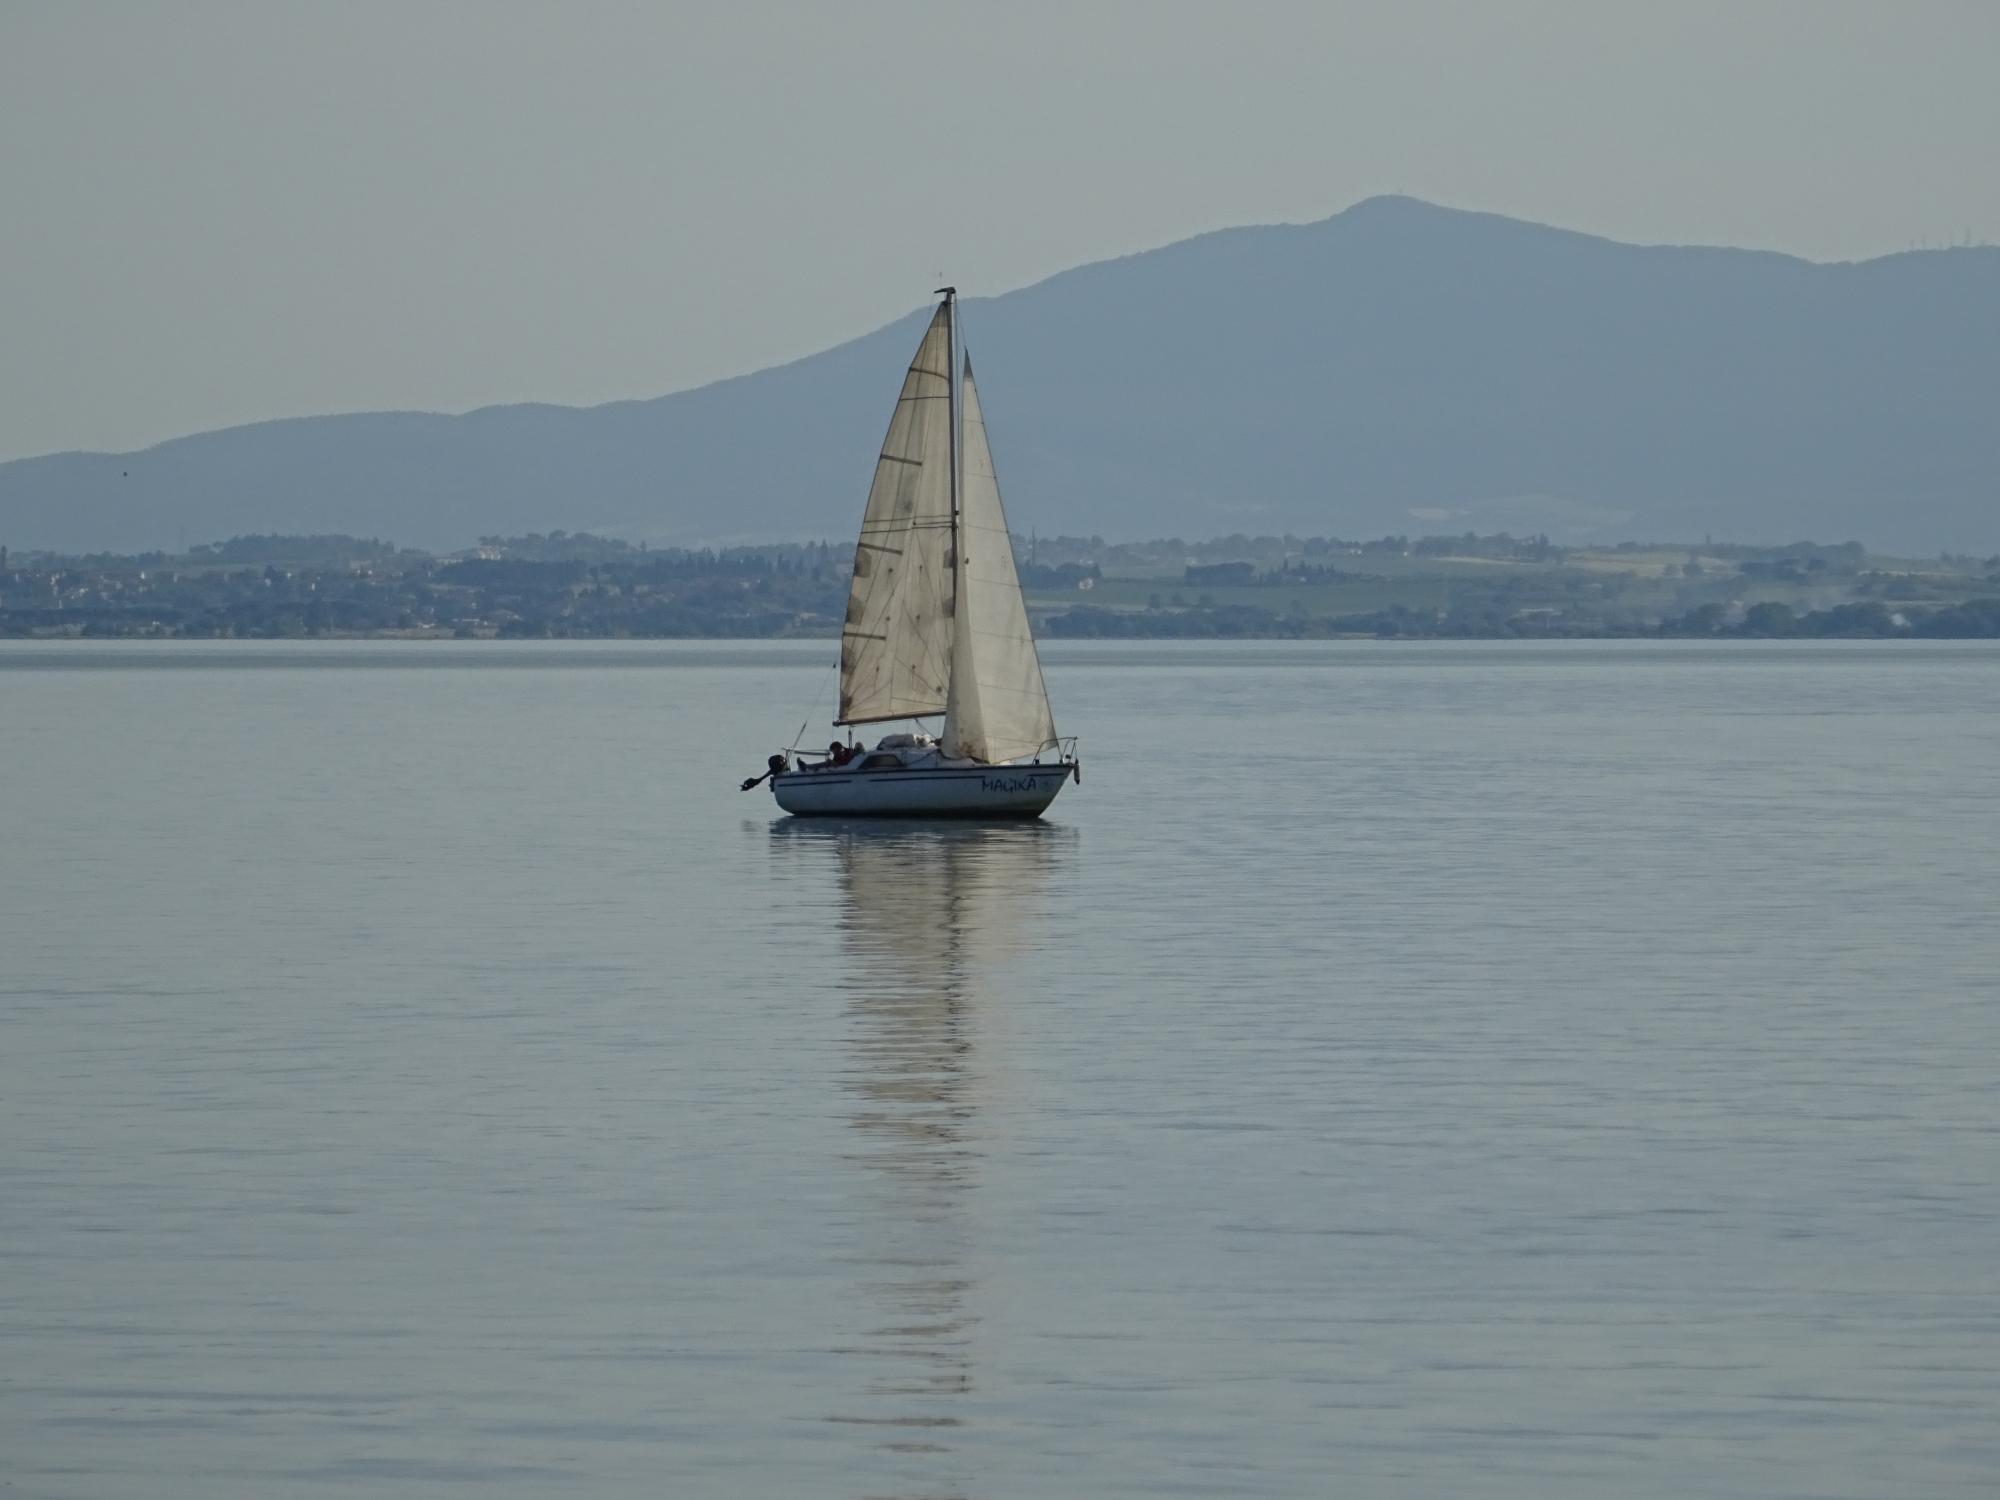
column 814, row 708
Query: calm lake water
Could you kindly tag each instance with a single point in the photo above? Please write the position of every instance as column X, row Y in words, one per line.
column 1397, row 1070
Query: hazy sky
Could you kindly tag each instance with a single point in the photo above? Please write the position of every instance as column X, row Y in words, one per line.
column 220, row 213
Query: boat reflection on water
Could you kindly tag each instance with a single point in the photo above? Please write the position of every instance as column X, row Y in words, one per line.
column 928, row 915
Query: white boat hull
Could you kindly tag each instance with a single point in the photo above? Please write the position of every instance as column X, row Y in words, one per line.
column 1009, row 791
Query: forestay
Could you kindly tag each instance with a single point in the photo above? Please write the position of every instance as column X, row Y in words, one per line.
column 998, row 707
column 895, row 647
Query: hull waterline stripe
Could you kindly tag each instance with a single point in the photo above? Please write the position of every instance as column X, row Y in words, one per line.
column 886, row 777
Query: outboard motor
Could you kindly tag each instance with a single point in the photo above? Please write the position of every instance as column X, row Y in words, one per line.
column 777, row 765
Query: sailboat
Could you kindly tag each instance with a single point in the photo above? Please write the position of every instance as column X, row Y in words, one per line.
column 935, row 625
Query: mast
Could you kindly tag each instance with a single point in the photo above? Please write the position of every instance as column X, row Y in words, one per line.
column 950, row 295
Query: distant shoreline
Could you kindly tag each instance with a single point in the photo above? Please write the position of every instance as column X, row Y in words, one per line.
column 564, row 586
column 436, row 638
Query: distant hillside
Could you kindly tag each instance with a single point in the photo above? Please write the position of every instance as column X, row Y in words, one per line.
column 1396, row 368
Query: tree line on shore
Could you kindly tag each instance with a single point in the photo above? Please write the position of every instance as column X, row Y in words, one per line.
column 1976, row 619
column 577, row 585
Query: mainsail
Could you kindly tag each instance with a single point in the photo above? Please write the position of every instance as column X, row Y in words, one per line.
column 997, row 707
column 895, row 647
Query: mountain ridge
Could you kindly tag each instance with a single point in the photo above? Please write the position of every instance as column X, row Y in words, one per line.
column 1397, row 366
